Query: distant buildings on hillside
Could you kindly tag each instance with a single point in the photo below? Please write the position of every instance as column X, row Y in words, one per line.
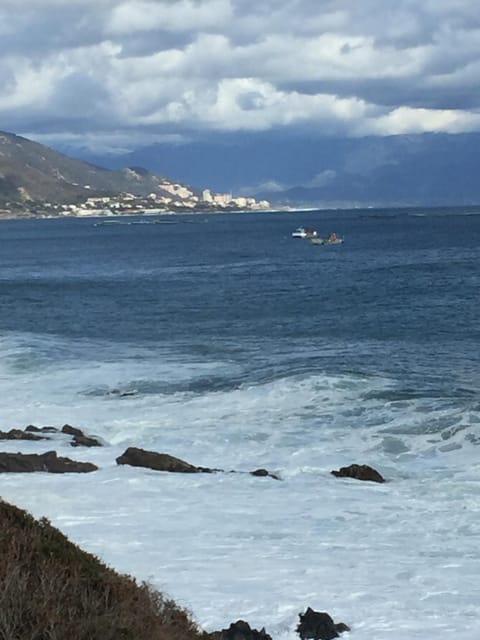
column 169, row 196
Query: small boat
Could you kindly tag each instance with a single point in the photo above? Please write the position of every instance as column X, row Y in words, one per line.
column 332, row 239
column 301, row 232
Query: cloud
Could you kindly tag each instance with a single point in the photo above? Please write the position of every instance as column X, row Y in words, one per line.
column 408, row 120
column 321, row 179
column 176, row 16
column 144, row 68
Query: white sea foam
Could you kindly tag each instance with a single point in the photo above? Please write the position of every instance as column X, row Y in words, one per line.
column 393, row 561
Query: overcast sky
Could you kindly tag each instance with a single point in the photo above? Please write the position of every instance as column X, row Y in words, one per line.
column 118, row 73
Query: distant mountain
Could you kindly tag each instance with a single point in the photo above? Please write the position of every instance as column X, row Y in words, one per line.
column 426, row 169
column 34, row 172
column 300, row 170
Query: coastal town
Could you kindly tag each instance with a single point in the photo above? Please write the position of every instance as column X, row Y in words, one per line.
column 39, row 182
column 170, row 197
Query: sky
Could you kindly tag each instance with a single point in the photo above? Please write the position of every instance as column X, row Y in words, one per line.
column 112, row 75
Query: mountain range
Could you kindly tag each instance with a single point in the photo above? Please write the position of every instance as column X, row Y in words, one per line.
column 301, row 170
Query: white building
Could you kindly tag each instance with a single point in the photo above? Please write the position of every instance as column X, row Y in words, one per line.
column 207, row 195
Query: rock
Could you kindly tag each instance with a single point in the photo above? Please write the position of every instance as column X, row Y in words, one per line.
column 341, row 627
column 85, row 441
column 264, row 473
column 49, row 461
column 240, row 630
column 33, row 428
column 122, row 394
column 158, row 461
column 360, row 472
column 18, row 434
column 79, row 438
column 318, row 625
column 164, row 462
column 71, row 431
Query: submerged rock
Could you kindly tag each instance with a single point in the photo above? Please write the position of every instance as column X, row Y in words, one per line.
column 318, row 625
column 85, row 441
column 360, row 472
column 264, row 473
column 158, row 461
column 49, row 462
column 122, row 394
column 34, row 429
column 79, row 438
column 240, row 630
column 18, row 434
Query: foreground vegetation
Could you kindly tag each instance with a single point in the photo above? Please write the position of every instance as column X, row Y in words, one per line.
column 52, row 590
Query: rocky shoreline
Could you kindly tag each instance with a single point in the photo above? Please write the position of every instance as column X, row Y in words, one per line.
column 133, row 456
column 313, row 625
column 51, row 588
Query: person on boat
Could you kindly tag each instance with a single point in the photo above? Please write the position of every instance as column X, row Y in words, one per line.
column 332, row 236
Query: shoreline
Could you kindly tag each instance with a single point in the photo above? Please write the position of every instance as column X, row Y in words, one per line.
column 28, row 215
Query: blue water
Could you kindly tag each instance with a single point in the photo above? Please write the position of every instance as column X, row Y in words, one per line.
column 224, row 341
column 400, row 296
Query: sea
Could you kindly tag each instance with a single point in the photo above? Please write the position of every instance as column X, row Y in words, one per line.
column 222, row 340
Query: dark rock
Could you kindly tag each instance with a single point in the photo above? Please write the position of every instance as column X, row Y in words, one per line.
column 122, row 394
column 158, row 461
column 264, row 473
column 79, row 438
column 18, row 434
column 34, row 429
column 360, row 472
column 240, row 630
column 71, row 431
column 49, row 461
column 85, row 441
column 318, row 625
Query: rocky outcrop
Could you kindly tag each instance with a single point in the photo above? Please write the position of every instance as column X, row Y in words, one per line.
column 165, row 462
column 239, row 630
column 32, row 428
column 318, row 625
column 158, row 461
column 360, row 472
column 314, row 625
column 18, row 434
column 79, row 439
column 71, row 431
column 264, row 473
column 49, row 462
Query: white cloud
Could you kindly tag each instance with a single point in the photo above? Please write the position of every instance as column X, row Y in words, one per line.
column 178, row 15
column 30, row 84
column 224, row 65
column 248, row 104
column 407, row 120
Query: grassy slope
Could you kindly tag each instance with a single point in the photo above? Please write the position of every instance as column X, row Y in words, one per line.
column 52, row 590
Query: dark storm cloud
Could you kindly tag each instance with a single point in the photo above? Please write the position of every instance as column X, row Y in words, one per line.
column 162, row 67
